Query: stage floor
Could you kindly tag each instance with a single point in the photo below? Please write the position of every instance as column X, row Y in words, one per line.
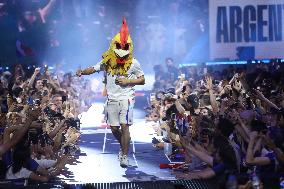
column 99, row 161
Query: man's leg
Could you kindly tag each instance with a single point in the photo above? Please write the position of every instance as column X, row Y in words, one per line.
column 125, row 138
column 125, row 119
column 117, row 134
column 112, row 116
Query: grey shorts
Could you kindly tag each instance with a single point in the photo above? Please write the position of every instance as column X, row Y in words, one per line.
column 119, row 112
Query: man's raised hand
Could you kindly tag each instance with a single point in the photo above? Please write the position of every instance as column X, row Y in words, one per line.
column 79, row 73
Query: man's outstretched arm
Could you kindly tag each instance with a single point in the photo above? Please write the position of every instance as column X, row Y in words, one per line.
column 89, row 70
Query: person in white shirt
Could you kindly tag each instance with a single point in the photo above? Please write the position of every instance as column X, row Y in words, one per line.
column 123, row 72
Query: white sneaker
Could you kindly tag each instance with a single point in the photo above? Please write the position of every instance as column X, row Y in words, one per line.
column 119, row 154
column 124, row 161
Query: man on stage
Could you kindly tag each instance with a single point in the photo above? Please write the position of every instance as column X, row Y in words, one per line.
column 123, row 72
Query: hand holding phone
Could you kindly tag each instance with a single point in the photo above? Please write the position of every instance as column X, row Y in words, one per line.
column 30, row 101
column 44, row 82
column 37, row 71
column 152, row 97
column 181, row 77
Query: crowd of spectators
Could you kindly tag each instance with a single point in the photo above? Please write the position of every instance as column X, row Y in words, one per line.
column 39, row 126
column 227, row 121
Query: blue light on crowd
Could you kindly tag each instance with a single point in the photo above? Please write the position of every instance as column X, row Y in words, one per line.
column 189, row 64
column 266, row 61
column 227, row 62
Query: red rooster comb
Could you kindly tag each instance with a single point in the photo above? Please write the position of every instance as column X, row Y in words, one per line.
column 124, row 32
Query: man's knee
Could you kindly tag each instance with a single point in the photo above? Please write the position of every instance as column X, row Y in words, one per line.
column 125, row 128
column 114, row 129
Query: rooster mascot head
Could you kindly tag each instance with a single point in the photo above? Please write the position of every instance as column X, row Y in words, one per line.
column 118, row 58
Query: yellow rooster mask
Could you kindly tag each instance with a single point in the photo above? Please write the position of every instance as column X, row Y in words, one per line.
column 118, row 58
